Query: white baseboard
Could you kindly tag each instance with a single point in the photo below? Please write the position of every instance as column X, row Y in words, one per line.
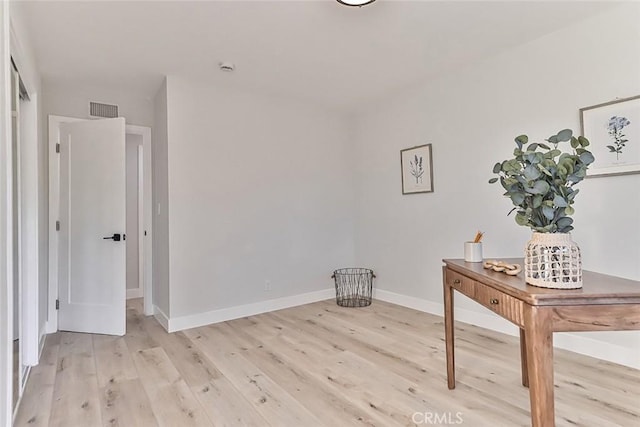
column 161, row 317
column 43, row 339
column 224, row 314
column 134, row 293
column 49, row 326
column 568, row 341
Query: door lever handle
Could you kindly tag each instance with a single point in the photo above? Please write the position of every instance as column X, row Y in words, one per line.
column 115, row 237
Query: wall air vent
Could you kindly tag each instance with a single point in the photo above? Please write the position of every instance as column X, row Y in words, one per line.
column 98, row 109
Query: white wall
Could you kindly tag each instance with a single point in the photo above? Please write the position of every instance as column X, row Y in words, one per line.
column 471, row 117
column 259, row 189
column 160, row 197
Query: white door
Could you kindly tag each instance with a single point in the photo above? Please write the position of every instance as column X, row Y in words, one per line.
column 92, row 261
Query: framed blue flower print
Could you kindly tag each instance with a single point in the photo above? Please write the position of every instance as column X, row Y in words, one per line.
column 613, row 128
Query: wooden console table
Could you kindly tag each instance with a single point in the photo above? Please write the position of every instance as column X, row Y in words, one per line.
column 605, row 303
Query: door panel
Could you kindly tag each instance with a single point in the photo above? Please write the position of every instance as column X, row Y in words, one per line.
column 92, row 269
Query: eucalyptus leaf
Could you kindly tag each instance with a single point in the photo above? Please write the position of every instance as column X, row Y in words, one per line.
column 497, row 167
column 521, row 140
column 584, row 142
column 537, row 201
column 539, row 187
column 548, row 212
column 564, row 135
column 559, row 201
column 587, row 158
column 569, row 210
column 521, row 219
column 511, row 166
column 562, row 172
column 572, row 195
column 547, row 228
column 544, row 170
column 531, row 173
column 564, row 222
column 493, row 180
column 517, row 198
column 573, row 178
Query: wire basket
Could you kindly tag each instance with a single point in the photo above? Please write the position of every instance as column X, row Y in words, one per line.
column 353, row 286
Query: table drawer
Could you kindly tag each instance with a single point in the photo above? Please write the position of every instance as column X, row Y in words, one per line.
column 506, row 306
column 461, row 283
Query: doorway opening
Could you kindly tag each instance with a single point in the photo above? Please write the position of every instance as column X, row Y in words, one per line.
column 134, row 206
column 137, row 169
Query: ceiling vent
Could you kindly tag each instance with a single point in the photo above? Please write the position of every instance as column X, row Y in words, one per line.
column 107, row 111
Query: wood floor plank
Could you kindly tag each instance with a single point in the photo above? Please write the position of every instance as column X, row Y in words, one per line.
column 75, row 396
column 35, row 408
column 125, row 403
column 137, row 337
column 173, row 402
column 113, row 360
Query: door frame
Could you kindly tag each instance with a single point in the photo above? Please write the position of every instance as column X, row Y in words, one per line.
column 6, row 259
column 145, row 215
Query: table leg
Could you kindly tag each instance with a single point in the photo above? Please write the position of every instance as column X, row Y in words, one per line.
column 448, row 328
column 523, row 358
column 539, row 346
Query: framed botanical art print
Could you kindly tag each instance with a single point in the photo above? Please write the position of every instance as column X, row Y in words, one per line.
column 417, row 169
column 613, row 128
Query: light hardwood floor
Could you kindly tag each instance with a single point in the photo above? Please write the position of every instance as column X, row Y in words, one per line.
column 313, row 365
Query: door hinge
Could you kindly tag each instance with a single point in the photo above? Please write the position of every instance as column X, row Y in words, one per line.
column 57, row 225
column 58, row 147
column 57, row 304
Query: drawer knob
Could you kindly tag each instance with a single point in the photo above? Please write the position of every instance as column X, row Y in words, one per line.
column 456, row 282
column 494, row 301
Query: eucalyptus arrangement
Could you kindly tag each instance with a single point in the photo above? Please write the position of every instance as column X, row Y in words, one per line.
column 539, row 180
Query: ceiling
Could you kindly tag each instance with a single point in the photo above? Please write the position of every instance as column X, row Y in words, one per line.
column 319, row 51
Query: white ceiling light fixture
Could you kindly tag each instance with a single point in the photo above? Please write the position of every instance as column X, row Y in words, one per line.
column 356, row 3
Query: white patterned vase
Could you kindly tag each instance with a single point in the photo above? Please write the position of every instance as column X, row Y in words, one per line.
column 552, row 260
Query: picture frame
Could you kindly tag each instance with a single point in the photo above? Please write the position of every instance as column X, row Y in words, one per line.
column 613, row 129
column 416, row 166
